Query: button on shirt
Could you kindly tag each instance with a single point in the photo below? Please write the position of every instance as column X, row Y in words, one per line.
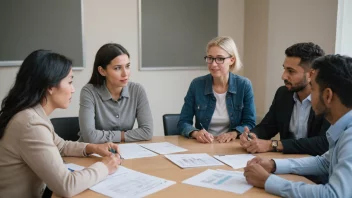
column 336, row 163
column 102, row 118
column 299, row 117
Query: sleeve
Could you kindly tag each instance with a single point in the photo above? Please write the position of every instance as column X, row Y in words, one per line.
column 87, row 121
column 339, row 180
column 312, row 146
column 316, row 145
column 248, row 112
column 40, row 153
column 69, row 148
column 144, row 119
column 268, row 126
column 185, row 124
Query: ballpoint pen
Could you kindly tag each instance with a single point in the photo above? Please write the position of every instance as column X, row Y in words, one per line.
column 249, row 137
column 115, row 152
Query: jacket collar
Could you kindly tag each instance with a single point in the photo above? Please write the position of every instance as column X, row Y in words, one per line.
column 40, row 111
column 209, row 84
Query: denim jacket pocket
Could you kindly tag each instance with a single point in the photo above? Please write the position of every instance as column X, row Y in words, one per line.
column 200, row 111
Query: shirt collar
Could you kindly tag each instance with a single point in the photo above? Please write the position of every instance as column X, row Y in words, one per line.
column 209, row 84
column 106, row 95
column 335, row 131
column 295, row 97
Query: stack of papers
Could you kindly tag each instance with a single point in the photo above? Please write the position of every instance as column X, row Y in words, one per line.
column 128, row 183
column 132, row 151
column 163, row 148
column 235, row 161
column 193, row 160
column 231, row 181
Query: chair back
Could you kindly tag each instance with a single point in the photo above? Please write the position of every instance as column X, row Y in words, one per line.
column 67, row 128
column 170, row 124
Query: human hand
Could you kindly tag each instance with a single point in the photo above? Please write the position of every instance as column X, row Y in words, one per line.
column 268, row 164
column 226, row 137
column 203, row 136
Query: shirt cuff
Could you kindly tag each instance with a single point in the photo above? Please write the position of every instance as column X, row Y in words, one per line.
column 274, row 184
column 116, row 137
column 282, row 166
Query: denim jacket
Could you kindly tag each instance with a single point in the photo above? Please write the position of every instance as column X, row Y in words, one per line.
column 200, row 102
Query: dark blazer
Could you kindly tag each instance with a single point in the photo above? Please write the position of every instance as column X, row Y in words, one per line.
column 277, row 120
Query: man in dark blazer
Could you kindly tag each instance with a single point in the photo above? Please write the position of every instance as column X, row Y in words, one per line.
column 291, row 114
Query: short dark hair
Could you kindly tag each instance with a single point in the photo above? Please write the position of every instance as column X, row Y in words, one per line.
column 104, row 56
column 42, row 69
column 306, row 51
column 335, row 72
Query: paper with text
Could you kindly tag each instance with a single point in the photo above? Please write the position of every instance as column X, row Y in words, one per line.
column 193, row 160
column 163, row 147
column 220, row 180
column 129, row 183
column 235, row 161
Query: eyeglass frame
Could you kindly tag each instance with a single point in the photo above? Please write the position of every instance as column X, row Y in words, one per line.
column 214, row 59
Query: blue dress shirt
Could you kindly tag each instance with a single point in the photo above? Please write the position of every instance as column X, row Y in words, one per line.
column 336, row 163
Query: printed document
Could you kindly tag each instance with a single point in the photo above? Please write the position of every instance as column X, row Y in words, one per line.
column 193, row 160
column 163, row 148
column 235, row 161
column 129, row 183
column 220, row 180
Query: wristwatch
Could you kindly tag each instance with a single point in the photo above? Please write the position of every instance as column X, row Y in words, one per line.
column 274, row 144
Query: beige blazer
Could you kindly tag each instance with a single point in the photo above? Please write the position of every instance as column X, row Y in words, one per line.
column 30, row 157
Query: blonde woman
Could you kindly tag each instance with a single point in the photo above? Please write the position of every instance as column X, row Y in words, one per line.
column 222, row 102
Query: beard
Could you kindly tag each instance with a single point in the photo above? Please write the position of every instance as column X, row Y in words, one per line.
column 321, row 108
column 299, row 86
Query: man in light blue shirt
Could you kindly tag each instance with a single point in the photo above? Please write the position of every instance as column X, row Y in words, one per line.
column 331, row 96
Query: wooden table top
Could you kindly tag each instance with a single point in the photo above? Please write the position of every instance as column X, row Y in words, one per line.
column 161, row 167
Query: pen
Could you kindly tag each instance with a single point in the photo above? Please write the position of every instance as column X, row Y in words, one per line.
column 201, row 126
column 70, row 169
column 114, row 152
column 249, row 138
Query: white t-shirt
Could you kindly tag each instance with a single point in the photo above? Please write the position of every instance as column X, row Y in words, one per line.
column 220, row 122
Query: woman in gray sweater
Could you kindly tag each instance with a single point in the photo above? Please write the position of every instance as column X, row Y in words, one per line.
column 110, row 103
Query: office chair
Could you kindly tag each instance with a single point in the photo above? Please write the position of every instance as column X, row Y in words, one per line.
column 67, row 128
column 170, row 124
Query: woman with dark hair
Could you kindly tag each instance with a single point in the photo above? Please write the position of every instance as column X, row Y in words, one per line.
column 109, row 103
column 30, row 150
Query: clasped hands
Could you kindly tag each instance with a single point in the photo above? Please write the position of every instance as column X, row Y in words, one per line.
column 204, row 136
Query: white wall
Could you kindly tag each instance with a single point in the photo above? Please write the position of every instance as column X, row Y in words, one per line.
column 117, row 21
column 344, row 28
column 288, row 22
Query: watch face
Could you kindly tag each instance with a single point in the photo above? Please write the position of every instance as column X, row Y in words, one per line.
column 274, row 143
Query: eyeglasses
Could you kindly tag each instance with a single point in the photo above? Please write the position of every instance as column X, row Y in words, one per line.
column 218, row 60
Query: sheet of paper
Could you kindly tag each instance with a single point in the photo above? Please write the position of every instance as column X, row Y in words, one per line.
column 131, row 151
column 129, row 183
column 220, row 180
column 163, row 148
column 235, row 161
column 193, row 160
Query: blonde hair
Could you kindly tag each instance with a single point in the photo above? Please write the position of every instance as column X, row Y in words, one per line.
column 229, row 45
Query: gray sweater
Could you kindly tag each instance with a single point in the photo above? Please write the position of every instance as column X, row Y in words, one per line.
column 102, row 119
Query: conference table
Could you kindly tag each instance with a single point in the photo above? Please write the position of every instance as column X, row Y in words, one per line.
column 161, row 167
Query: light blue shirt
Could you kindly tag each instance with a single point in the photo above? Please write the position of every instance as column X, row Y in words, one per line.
column 299, row 117
column 336, row 163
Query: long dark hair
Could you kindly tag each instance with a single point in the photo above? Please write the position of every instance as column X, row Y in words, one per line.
column 104, row 56
column 41, row 70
